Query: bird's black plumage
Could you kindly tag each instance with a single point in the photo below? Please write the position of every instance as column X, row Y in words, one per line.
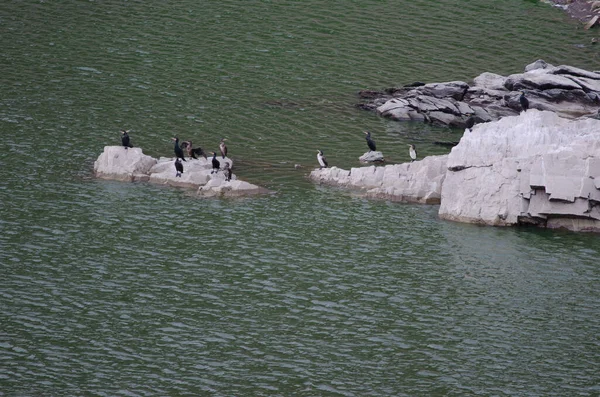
column 192, row 151
column 223, row 148
column 524, row 101
column 215, row 163
column 125, row 140
column 370, row 142
column 178, row 167
column 470, row 122
column 178, row 150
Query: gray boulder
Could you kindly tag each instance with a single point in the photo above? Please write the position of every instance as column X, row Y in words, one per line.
column 566, row 90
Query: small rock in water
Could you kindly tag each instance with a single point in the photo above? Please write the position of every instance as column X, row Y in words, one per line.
column 372, row 157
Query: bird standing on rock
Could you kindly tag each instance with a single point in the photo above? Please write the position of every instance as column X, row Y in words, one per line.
column 227, row 171
column 125, row 140
column 191, row 151
column 223, row 147
column 178, row 167
column 412, row 152
column 321, row 159
column 177, row 148
column 524, row 101
column 215, row 163
column 370, row 142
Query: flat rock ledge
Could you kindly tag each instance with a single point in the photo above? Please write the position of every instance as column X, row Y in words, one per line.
column 566, row 90
column 132, row 165
column 535, row 168
column 416, row 182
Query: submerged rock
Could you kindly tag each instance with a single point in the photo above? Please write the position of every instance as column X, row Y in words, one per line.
column 219, row 187
column 566, row 90
column 122, row 164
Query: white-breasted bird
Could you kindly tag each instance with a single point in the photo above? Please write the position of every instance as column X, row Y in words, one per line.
column 412, row 151
column 321, row 159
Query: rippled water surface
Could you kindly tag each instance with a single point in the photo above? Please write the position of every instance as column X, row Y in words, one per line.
column 117, row 289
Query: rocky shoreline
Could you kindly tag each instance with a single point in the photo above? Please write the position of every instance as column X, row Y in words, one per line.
column 582, row 10
column 535, row 168
column 569, row 91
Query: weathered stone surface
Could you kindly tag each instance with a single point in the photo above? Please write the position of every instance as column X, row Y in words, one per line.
column 534, row 166
column 418, row 181
column 122, row 164
column 539, row 81
column 195, row 172
column 539, row 64
column 372, row 157
column 573, row 71
column 490, row 81
column 568, row 91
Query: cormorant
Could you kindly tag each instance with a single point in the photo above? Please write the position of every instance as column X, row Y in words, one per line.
column 524, row 101
column 370, row 142
column 125, row 139
column 321, row 159
column 412, row 151
column 470, row 122
column 178, row 167
column 227, row 171
column 215, row 163
column 223, row 147
column 178, row 150
column 191, row 151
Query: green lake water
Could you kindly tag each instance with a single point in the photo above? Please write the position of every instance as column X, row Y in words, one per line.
column 132, row 289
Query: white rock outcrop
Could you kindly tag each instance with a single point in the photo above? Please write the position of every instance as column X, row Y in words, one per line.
column 118, row 163
column 196, row 172
column 535, row 168
column 416, row 182
column 121, row 164
column 532, row 168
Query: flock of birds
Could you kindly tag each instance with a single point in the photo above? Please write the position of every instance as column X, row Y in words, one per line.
column 412, row 151
column 192, row 153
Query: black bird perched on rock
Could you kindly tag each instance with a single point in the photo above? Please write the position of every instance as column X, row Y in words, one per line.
column 321, row 159
column 215, row 163
column 125, row 139
column 524, row 101
column 223, row 147
column 470, row 121
column 178, row 167
column 227, row 171
column 177, row 148
column 192, row 151
column 370, row 142
column 412, row 152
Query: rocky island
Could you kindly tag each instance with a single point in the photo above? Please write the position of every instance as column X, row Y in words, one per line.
column 540, row 166
column 132, row 165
